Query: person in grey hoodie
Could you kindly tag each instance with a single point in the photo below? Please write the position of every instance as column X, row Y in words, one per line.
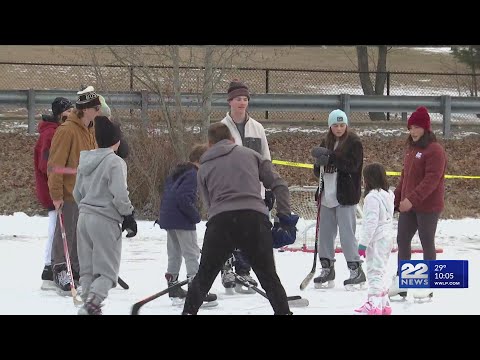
column 229, row 183
column 103, row 203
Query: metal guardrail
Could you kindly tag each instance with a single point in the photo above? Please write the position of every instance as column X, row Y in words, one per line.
column 143, row 100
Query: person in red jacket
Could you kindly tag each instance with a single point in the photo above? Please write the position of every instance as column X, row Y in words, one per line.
column 419, row 195
column 61, row 107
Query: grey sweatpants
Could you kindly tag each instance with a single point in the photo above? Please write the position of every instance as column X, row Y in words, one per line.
column 182, row 243
column 99, row 252
column 70, row 217
column 341, row 218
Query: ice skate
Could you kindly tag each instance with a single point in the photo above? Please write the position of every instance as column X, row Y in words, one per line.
column 47, row 278
column 373, row 306
column 394, row 291
column 176, row 295
column 422, row 295
column 242, row 289
column 91, row 307
column 327, row 275
column 228, row 278
column 357, row 278
column 386, row 308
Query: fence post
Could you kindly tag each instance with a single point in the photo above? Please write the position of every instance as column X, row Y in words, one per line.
column 130, row 69
column 388, row 92
column 267, row 87
column 345, row 104
column 404, row 118
column 31, row 111
column 144, row 106
column 447, row 114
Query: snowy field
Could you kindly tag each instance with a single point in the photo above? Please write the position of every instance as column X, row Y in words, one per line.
column 144, row 262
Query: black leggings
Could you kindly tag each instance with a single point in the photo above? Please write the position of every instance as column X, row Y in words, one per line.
column 408, row 224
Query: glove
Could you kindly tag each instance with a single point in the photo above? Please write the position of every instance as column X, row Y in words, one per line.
column 361, row 250
column 284, row 231
column 130, row 225
column 269, row 199
column 321, row 155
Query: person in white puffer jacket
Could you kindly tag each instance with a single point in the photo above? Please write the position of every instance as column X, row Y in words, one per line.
column 376, row 241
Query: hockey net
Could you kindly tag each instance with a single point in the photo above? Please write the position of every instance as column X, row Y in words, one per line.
column 302, row 202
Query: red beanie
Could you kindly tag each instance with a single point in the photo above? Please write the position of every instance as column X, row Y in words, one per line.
column 421, row 118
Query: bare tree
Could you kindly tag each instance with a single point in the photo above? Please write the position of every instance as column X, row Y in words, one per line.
column 380, row 73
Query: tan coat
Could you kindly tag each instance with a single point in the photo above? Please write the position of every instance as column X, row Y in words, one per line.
column 70, row 138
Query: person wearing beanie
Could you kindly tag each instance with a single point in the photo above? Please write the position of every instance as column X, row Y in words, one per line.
column 73, row 136
column 103, row 203
column 61, row 107
column 420, row 193
column 123, row 149
column 250, row 133
column 339, row 161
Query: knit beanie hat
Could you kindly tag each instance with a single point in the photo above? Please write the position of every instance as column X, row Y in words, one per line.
column 337, row 117
column 87, row 98
column 421, row 118
column 107, row 133
column 59, row 105
column 237, row 88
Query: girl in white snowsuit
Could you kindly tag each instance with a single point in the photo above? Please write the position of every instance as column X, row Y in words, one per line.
column 376, row 241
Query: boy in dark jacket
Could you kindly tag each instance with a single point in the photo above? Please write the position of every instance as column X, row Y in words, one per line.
column 178, row 215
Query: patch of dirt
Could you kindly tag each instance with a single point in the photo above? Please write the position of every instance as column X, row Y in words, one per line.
column 17, row 183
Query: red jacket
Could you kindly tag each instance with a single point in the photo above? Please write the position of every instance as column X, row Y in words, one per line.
column 423, row 178
column 41, row 153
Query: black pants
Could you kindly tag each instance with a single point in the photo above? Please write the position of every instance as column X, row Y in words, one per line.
column 408, row 224
column 249, row 231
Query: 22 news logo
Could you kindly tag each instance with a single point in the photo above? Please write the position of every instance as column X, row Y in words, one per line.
column 414, row 275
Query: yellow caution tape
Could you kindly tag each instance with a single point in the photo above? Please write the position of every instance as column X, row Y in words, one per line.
column 389, row 173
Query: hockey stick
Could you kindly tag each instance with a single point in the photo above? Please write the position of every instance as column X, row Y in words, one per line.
column 294, row 301
column 76, row 302
column 136, row 307
column 122, row 283
column 311, row 274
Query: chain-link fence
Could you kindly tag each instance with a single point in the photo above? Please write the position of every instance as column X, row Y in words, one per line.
column 298, row 81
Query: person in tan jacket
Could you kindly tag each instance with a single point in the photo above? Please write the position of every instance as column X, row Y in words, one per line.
column 74, row 135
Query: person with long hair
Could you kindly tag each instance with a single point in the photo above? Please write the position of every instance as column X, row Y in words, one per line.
column 419, row 195
column 341, row 156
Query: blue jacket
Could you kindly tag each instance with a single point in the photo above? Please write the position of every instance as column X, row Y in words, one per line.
column 178, row 209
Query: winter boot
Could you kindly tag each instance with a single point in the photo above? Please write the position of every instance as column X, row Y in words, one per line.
column 327, row 275
column 62, row 279
column 395, row 290
column 177, row 295
column 92, row 306
column 357, row 278
column 47, row 278
column 422, row 295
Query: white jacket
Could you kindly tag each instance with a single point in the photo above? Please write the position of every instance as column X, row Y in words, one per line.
column 255, row 138
column 377, row 216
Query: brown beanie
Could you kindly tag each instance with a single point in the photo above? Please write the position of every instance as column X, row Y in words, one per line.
column 237, row 88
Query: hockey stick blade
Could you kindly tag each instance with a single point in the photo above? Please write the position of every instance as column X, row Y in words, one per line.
column 122, row 283
column 293, row 301
column 136, row 307
column 307, row 280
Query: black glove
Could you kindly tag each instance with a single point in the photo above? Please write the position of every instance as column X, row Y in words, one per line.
column 321, row 155
column 284, row 230
column 130, row 225
column 269, row 199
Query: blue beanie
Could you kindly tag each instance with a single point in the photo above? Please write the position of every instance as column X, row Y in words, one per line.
column 337, row 117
